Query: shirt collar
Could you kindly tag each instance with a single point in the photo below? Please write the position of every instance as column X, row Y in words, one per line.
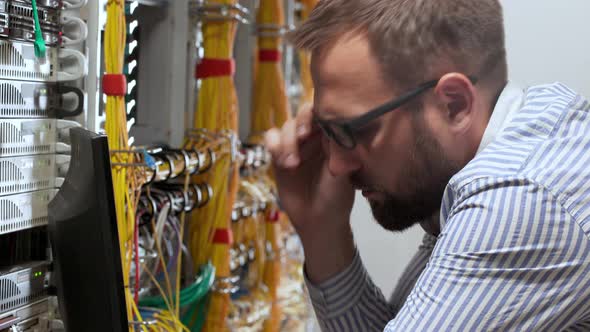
column 509, row 102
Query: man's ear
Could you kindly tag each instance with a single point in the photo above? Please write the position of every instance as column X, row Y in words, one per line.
column 456, row 93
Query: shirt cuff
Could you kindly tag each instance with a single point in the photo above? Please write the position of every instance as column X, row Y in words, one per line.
column 341, row 292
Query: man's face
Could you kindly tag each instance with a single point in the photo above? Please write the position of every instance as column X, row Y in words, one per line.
column 398, row 162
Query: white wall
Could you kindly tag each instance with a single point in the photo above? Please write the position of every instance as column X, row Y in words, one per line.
column 547, row 41
column 385, row 254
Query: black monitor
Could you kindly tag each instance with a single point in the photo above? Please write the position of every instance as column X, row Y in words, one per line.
column 84, row 240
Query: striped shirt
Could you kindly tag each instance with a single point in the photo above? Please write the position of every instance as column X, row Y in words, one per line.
column 514, row 247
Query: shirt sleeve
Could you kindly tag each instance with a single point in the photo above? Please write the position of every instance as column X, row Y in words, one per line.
column 350, row 301
column 510, row 257
column 408, row 279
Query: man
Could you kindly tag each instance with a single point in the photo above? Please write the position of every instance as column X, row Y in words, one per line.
column 412, row 107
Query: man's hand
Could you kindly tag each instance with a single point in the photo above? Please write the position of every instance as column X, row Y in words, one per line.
column 317, row 203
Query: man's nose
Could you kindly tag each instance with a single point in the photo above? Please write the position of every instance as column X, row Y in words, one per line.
column 341, row 161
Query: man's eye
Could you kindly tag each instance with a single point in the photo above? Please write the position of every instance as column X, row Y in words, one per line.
column 365, row 131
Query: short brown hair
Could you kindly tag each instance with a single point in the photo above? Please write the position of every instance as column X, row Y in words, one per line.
column 415, row 40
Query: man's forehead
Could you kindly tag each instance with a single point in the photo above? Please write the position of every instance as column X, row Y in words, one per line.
column 345, row 75
column 344, row 62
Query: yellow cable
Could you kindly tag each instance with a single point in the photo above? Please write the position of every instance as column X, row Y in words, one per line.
column 216, row 111
column 158, row 286
column 270, row 110
column 138, row 316
column 164, row 270
column 116, row 130
column 270, row 104
column 179, row 259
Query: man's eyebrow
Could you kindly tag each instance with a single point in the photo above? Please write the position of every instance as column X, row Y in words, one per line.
column 337, row 119
column 326, row 115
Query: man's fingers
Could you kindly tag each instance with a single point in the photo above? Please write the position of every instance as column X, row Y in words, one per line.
column 288, row 148
column 304, row 122
column 272, row 142
column 311, row 147
column 289, row 157
column 283, row 145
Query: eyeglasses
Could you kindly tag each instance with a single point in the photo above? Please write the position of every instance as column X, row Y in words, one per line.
column 343, row 132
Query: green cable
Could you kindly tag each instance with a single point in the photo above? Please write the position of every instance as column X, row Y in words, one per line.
column 40, row 47
column 190, row 295
column 194, row 318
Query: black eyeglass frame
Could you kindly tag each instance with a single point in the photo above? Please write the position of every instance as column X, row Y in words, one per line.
column 348, row 127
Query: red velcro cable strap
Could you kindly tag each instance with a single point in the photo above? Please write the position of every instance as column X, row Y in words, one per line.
column 269, row 55
column 114, row 85
column 223, row 236
column 215, row 68
column 273, row 216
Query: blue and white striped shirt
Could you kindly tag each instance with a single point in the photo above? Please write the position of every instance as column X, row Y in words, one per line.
column 514, row 247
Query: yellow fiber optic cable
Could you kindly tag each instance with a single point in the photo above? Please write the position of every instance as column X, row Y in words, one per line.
column 217, row 112
column 270, row 107
column 116, row 130
column 270, row 110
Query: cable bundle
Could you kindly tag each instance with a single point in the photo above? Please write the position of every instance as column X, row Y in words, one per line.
column 160, row 221
column 216, row 117
column 271, row 108
column 163, row 279
column 251, row 305
column 116, row 130
column 126, row 183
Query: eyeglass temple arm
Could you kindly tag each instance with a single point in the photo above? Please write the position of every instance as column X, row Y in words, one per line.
column 394, row 104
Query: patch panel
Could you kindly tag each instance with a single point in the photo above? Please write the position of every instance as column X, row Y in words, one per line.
column 57, row 28
column 18, row 22
column 23, row 28
column 54, row 4
column 22, row 9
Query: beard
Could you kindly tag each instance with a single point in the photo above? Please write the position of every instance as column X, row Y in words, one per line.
column 426, row 177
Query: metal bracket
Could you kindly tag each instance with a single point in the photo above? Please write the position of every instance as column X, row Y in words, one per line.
column 272, row 30
column 54, row 4
column 227, row 285
column 214, row 12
